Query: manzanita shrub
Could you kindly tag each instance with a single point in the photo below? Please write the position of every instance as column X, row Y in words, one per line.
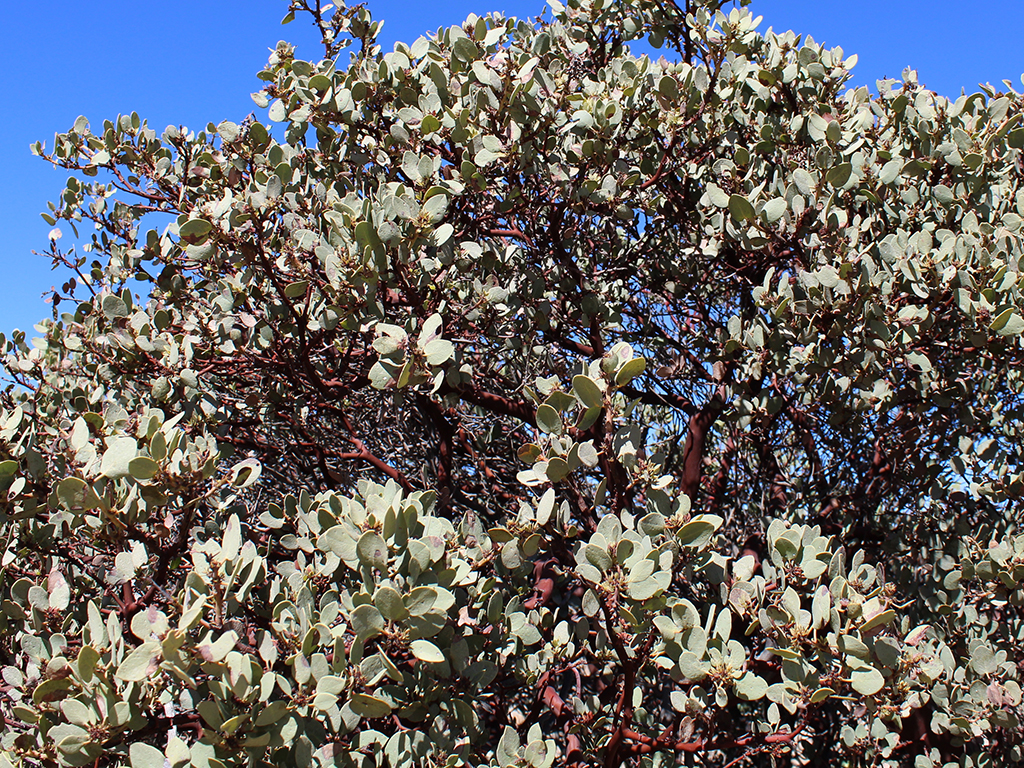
column 518, row 400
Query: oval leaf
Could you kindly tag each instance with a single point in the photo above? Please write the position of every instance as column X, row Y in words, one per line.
column 142, row 468
column 373, row 550
column 588, row 392
column 136, row 666
column 879, row 620
column 750, row 687
column 698, row 532
column 145, row 756
column 390, row 604
column 557, row 469
column 774, row 209
column 195, row 231
column 367, row 621
column 77, row 495
column 245, row 473
column 630, row 370
column 117, row 458
column 740, row 208
column 424, row 650
column 867, row 681
column 369, row 706
column 1008, row 323
column 548, row 420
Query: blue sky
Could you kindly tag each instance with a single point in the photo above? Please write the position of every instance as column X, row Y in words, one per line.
column 188, row 62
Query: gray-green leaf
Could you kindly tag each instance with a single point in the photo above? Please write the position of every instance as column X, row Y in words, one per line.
column 369, row 706
column 740, row 208
column 145, row 756
column 117, row 458
column 424, row 650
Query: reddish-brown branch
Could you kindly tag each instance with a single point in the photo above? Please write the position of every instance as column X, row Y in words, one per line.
column 619, row 489
column 696, row 442
column 365, row 454
column 495, row 403
column 638, row 744
column 666, row 399
column 517, row 234
column 661, row 166
column 559, row 338
column 630, row 667
column 721, row 482
column 445, row 435
column 804, row 425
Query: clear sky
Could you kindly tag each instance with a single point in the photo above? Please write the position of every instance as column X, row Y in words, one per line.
column 189, row 62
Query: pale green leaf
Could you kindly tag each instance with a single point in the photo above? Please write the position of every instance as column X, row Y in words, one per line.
column 143, row 468
column 588, row 391
column 373, row 550
column 630, row 370
column 867, row 681
column 145, row 756
column 740, row 208
column 390, row 604
column 139, row 663
column 76, row 495
column 699, row 531
column 774, row 209
column 1008, row 323
column 117, row 458
column 750, row 687
column 370, row 707
column 367, row 621
column 195, row 231
column 246, row 472
column 424, row 650
column 548, row 420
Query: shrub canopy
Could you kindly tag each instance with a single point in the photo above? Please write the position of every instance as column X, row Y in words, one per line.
column 520, row 401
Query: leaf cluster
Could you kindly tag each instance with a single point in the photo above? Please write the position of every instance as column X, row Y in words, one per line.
column 510, row 399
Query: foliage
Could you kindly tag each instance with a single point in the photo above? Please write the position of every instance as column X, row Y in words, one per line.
column 519, row 400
